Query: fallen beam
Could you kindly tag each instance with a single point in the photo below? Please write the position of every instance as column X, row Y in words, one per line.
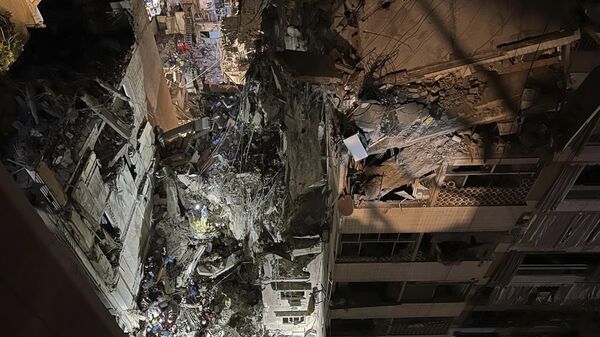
column 107, row 116
column 504, row 52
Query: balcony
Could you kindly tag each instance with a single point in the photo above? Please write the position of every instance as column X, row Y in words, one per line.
column 486, row 185
column 432, row 219
column 584, row 195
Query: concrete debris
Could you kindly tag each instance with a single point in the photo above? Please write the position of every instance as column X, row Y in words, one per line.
column 356, row 147
column 401, row 126
column 223, row 207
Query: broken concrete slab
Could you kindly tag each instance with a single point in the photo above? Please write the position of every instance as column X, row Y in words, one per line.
column 401, row 126
column 202, row 126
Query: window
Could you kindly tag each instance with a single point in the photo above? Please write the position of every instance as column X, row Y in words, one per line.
column 595, row 136
column 108, row 238
column 365, row 294
column 293, row 320
column 499, row 175
column 397, row 246
column 587, row 185
column 434, row 292
column 558, row 264
column 292, row 295
column 456, row 247
column 290, row 286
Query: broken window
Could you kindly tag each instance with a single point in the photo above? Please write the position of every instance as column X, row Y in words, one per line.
column 420, row 326
column 132, row 171
column 290, row 285
column 107, row 225
column 390, row 326
column 291, row 295
column 360, row 327
column 595, row 136
column 392, row 246
column 542, row 295
column 470, row 169
column 520, row 318
column 587, row 185
column 592, row 236
column 293, row 320
column 376, row 249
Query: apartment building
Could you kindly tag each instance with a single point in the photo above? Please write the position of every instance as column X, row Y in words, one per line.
column 499, row 239
column 410, row 270
column 547, row 284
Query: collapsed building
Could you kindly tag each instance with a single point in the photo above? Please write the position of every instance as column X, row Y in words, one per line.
column 308, row 168
column 83, row 149
column 181, row 218
column 453, row 138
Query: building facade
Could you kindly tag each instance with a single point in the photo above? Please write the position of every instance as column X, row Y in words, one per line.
column 498, row 240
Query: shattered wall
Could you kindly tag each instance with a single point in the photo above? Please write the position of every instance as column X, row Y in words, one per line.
column 94, row 151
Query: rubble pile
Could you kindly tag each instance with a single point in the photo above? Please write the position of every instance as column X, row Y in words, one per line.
column 238, row 187
column 180, row 58
column 447, row 92
column 223, row 203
